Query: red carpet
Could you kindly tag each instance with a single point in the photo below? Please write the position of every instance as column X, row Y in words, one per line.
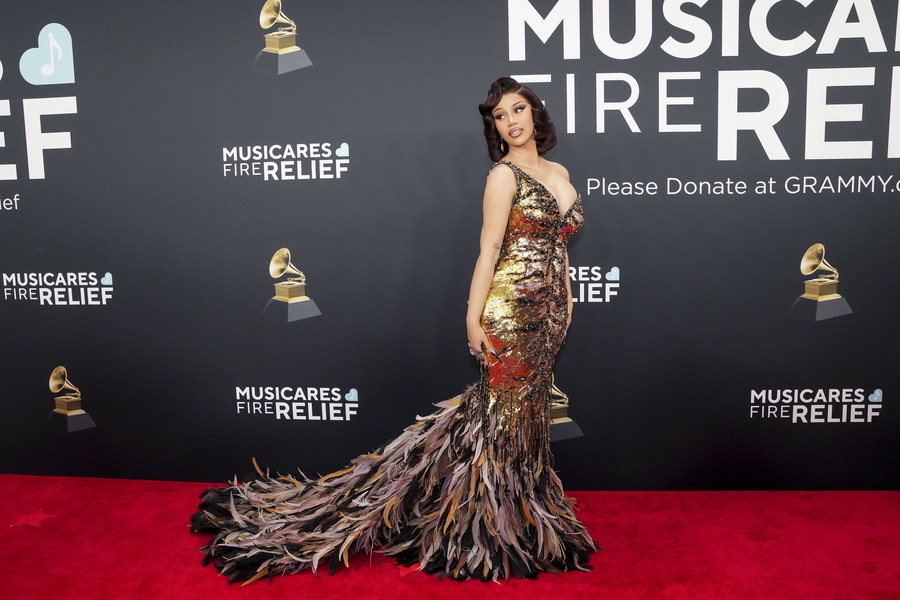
column 68, row 538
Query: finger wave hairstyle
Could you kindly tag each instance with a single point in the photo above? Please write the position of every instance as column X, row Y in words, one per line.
column 544, row 130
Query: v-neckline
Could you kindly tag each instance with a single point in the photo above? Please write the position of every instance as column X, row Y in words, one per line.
column 559, row 209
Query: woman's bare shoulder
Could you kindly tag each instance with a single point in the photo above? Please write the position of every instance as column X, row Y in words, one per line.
column 501, row 174
column 558, row 169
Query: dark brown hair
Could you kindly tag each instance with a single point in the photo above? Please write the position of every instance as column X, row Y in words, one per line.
column 544, row 130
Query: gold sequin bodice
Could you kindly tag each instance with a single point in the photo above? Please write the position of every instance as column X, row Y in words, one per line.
column 525, row 317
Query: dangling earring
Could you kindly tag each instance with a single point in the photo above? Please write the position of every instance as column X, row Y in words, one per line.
column 502, row 146
column 533, row 132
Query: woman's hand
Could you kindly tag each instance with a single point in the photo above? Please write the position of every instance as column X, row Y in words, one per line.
column 479, row 344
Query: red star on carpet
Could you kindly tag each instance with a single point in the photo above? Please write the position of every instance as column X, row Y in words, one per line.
column 34, row 519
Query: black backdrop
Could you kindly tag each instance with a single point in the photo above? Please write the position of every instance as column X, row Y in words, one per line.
column 666, row 365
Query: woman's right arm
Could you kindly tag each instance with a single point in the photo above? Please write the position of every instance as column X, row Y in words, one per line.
column 499, row 192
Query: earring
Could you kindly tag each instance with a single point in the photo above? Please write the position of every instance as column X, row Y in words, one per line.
column 502, row 145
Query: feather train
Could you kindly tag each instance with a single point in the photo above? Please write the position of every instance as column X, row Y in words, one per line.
column 466, row 492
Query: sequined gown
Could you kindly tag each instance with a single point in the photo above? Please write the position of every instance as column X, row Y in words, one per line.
column 466, row 492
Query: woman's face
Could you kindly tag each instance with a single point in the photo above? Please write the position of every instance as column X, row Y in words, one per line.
column 513, row 119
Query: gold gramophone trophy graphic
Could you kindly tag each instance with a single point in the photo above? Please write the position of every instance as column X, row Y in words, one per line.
column 281, row 54
column 290, row 302
column 562, row 427
column 68, row 413
column 820, row 299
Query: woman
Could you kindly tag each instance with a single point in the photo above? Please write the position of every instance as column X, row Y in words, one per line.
column 467, row 492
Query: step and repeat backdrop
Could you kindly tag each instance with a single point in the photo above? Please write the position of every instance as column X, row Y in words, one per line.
column 240, row 229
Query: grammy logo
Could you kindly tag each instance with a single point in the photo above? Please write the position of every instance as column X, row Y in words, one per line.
column 68, row 411
column 292, row 290
column 562, row 427
column 290, row 302
column 281, row 54
column 820, row 299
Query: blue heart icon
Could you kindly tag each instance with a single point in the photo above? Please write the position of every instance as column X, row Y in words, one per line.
column 107, row 279
column 52, row 61
column 343, row 150
column 613, row 274
column 352, row 395
column 876, row 396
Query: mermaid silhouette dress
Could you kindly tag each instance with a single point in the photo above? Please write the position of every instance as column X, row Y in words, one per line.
column 466, row 492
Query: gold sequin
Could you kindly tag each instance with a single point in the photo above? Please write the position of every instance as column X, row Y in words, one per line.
column 525, row 316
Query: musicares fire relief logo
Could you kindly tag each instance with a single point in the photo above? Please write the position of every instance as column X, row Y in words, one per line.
column 51, row 62
column 287, row 162
column 59, row 289
column 847, row 405
column 590, row 284
column 297, row 403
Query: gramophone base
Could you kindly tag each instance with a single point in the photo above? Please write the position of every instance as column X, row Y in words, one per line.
column 813, row 310
column 564, row 429
column 70, row 423
column 291, row 311
column 279, row 64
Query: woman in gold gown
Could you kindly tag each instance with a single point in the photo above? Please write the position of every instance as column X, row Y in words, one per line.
column 469, row 491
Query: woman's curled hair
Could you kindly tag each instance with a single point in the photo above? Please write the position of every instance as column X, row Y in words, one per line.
column 544, row 130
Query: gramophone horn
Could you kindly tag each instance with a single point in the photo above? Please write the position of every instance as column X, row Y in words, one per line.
column 814, row 260
column 281, row 264
column 59, row 381
column 271, row 14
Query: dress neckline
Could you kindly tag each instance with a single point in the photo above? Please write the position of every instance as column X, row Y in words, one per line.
column 559, row 209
